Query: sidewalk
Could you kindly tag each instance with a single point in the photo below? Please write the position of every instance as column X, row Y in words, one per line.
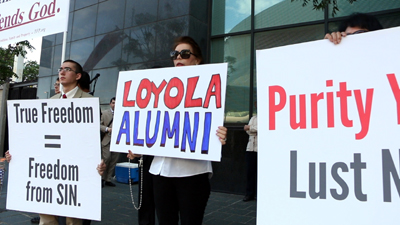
column 117, row 208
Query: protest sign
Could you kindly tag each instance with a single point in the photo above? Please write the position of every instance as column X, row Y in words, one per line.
column 172, row 112
column 55, row 148
column 329, row 131
column 23, row 20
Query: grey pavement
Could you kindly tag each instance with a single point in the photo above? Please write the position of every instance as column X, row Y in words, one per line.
column 117, row 208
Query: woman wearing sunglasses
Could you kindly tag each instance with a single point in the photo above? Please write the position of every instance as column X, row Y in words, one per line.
column 181, row 186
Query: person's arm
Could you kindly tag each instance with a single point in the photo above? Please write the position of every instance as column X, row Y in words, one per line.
column 335, row 37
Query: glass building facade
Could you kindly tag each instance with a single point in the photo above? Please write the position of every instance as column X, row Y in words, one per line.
column 108, row 36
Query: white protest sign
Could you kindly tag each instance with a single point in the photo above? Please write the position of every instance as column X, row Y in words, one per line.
column 329, row 131
column 172, row 112
column 55, row 148
column 26, row 19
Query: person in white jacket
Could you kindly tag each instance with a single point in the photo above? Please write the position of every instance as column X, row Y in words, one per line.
column 251, row 159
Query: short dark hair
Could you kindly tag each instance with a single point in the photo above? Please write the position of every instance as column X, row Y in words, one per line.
column 58, row 79
column 190, row 41
column 361, row 20
column 113, row 98
column 78, row 67
column 84, row 81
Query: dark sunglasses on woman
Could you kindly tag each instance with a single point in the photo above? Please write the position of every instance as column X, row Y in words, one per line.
column 185, row 54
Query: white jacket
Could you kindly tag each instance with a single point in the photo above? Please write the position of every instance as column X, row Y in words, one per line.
column 252, row 132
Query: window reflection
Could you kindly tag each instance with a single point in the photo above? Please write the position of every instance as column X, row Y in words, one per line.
column 199, row 10
column 172, row 8
column 70, row 19
column 283, row 37
column 107, row 49
column 236, row 52
column 84, row 23
column 48, row 41
column 68, row 51
column 139, row 46
column 43, row 90
column 282, row 12
column 56, row 58
column 106, row 85
column 71, row 5
column 140, row 12
column 81, row 4
column 109, row 17
column 80, row 50
column 364, row 7
column 59, row 38
column 46, row 59
column 107, row 52
column 391, row 20
column 230, row 16
column 166, row 32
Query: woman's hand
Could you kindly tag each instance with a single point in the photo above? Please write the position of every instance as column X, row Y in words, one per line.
column 221, row 133
column 101, row 167
column 8, row 156
column 132, row 155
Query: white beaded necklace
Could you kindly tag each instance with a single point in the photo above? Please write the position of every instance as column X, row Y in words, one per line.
column 141, row 183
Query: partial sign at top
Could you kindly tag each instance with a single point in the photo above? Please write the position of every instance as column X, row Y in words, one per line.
column 171, row 112
column 26, row 19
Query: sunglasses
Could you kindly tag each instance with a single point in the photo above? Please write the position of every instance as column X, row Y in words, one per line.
column 185, row 54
